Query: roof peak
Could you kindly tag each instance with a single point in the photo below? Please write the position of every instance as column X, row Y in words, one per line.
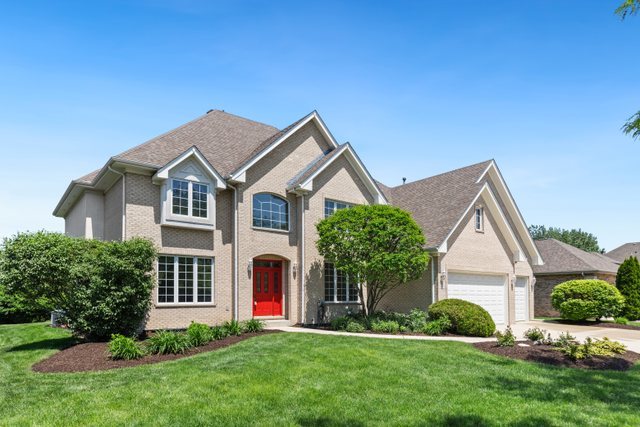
column 486, row 162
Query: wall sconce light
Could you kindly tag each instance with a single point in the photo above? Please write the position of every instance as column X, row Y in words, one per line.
column 443, row 279
column 294, row 269
column 250, row 268
column 513, row 283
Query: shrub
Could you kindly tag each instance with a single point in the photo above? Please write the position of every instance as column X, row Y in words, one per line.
column 168, row 342
column 563, row 340
column 591, row 347
column 353, row 326
column 585, row 299
column 506, row 338
column 199, row 334
column 124, row 348
column 437, row 327
column 466, row 318
column 535, row 334
column 15, row 308
column 340, row 323
column 233, row 327
column 219, row 333
column 621, row 320
column 386, row 326
column 416, row 320
column 253, row 325
column 628, row 283
column 104, row 288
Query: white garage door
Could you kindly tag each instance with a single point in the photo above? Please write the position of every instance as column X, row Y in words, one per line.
column 522, row 298
column 483, row 289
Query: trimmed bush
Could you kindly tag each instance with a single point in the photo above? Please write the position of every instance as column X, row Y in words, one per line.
column 386, row 326
column 233, row 327
column 506, row 338
column 587, row 299
column 628, row 283
column 353, row 326
column 253, row 325
column 168, row 342
column 466, row 317
column 439, row 326
column 124, row 348
column 199, row 334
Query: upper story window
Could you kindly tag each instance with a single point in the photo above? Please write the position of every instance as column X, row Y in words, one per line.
column 479, row 219
column 189, row 198
column 270, row 211
column 331, row 206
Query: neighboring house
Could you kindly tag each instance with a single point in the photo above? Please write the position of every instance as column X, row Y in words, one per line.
column 565, row 262
column 232, row 205
column 625, row 251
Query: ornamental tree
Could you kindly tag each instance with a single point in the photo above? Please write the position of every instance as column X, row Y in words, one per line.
column 628, row 283
column 380, row 245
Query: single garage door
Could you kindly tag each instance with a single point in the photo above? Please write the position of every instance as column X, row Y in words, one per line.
column 522, row 298
column 488, row 291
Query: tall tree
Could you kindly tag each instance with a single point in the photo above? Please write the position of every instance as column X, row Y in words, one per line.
column 578, row 238
column 381, row 246
column 632, row 126
column 628, row 283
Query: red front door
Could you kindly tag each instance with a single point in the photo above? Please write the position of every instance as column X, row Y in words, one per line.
column 267, row 288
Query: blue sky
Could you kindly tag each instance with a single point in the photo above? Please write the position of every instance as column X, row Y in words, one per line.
column 418, row 88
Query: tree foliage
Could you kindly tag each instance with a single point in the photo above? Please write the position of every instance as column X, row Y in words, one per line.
column 577, row 238
column 380, row 245
column 628, row 283
column 632, row 126
column 103, row 288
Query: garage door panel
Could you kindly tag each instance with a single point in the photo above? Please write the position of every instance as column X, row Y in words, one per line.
column 521, row 298
column 488, row 291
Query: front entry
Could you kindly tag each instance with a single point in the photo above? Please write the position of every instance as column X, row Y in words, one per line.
column 267, row 288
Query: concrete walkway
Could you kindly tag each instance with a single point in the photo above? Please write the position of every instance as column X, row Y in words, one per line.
column 628, row 337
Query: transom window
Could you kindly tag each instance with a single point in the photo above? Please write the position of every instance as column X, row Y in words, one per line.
column 270, row 211
column 479, row 219
column 337, row 286
column 331, row 206
column 185, row 280
column 189, row 198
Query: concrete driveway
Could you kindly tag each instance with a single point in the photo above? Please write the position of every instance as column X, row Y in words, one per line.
column 628, row 337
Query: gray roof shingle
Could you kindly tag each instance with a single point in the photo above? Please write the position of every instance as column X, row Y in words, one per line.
column 560, row 257
column 623, row 252
column 226, row 140
column 438, row 202
column 312, row 167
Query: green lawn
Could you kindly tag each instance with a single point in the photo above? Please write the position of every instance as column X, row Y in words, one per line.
column 306, row 379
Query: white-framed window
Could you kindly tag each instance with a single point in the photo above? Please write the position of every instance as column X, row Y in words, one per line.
column 189, row 198
column 271, row 212
column 338, row 287
column 331, row 206
column 185, row 280
column 479, row 219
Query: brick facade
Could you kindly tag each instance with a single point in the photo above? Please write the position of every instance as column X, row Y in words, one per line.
column 546, row 282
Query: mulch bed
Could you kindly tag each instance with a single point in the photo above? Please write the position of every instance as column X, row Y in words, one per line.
column 549, row 355
column 598, row 324
column 94, row 356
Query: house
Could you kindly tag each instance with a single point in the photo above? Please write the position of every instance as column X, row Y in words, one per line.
column 625, row 251
column 565, row 262
column 232, row 206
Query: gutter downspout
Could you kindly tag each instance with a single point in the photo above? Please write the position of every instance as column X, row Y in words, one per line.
column 301, row 269
column 124, row 205
column 236, row 292
column 433, row 280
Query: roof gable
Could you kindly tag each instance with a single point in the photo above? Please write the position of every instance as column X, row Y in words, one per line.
column 625, row 251
column 195, row 155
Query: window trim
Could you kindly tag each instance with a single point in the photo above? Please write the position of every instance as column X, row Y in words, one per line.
column 168, row 218
column 324, row 206
column 275, row 230
column 478, row 224
column 335, row 288
column 190, row 198
column 176, row 270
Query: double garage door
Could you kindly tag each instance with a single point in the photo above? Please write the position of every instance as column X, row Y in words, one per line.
column 489, row 292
